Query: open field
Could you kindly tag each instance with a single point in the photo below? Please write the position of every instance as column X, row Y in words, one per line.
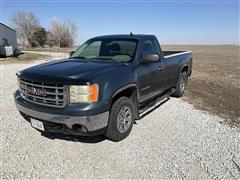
column 24, row 58
column 215, row 82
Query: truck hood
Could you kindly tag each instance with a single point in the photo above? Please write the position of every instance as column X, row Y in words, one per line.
column 69, row 71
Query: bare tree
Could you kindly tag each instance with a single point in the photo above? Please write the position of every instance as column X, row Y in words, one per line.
column 25, row 24
column 70, row 32
column 55, row 33
column 62, row 34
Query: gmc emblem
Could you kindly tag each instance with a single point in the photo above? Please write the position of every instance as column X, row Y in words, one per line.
column 36, row 91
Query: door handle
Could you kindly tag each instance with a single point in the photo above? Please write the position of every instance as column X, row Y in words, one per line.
column 160, row 68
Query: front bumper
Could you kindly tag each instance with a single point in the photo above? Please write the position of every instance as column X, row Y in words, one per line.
column 71, row 124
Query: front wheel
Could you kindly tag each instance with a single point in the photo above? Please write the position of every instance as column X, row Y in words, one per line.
column 181, row 85
column 121, row 119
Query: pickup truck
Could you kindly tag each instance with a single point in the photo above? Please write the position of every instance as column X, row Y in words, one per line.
column 103, row 87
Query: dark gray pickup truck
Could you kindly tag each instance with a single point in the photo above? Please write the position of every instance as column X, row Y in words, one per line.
column 104, row 86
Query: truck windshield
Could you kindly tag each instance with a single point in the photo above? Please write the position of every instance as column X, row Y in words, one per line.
column 122, row 50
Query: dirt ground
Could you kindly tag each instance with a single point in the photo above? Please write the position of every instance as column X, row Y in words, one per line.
column 215, row 82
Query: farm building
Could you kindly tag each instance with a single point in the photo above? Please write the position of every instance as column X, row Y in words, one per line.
column 7, row 38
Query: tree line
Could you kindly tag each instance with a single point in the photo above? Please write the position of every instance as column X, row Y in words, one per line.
column 31, row 33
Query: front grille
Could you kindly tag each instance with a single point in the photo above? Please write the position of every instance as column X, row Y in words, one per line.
column 53, row 95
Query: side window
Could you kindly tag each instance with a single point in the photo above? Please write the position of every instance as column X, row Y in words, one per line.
column 156, row 46
column 149, row 47
column 5, row 42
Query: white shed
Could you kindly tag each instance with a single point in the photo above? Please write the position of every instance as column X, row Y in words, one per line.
column 8, row 37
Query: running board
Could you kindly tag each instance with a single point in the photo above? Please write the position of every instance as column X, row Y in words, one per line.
column 154, row 103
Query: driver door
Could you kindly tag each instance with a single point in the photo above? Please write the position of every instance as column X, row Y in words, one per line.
column 150, row 75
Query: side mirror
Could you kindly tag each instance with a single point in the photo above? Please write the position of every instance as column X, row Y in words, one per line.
column 71, row 53
column 148, row 58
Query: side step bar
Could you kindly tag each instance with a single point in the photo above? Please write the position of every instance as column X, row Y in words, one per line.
column 154, row 103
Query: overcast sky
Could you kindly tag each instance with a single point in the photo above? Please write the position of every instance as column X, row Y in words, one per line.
column 173, row 22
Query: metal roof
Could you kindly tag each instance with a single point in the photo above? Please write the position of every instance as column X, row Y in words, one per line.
column 7, row 26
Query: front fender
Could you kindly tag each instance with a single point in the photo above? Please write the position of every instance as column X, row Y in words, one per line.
column 114, row 82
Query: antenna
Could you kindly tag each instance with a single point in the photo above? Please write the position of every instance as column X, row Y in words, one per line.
column 131, row 34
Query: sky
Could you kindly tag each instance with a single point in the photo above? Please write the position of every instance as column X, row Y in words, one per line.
column 172, row 21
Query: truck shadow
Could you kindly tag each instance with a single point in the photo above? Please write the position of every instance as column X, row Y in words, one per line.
column 74, row 138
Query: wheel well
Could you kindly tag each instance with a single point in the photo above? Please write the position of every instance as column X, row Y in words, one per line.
column 129, row 92
column 132, row 93
column 184, row 69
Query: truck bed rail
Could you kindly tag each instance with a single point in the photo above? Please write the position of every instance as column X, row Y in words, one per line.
column 168, row 54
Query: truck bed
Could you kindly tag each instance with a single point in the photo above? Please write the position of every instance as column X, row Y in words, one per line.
column 168, row 54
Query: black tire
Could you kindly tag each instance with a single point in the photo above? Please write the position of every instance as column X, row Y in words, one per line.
column 114, row 123
column 181, row 85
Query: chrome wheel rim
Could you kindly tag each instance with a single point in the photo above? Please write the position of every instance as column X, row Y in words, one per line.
column 124, row 119
column 182, row 85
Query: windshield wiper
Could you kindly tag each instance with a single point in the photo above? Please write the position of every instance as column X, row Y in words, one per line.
column 101, row 58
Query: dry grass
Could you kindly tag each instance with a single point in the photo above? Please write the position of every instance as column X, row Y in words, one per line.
column 214, row 85
column 24, row 58
column 64, row 50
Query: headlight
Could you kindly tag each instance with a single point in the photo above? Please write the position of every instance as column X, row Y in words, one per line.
column 84, row 94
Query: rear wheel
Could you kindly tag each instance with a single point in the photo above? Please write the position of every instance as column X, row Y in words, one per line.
column 181, row 85
column 121, row 119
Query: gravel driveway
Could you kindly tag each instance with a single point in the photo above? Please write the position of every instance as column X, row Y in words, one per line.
column 174, row 141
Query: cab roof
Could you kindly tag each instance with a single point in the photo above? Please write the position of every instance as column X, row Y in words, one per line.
column 127, row 36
